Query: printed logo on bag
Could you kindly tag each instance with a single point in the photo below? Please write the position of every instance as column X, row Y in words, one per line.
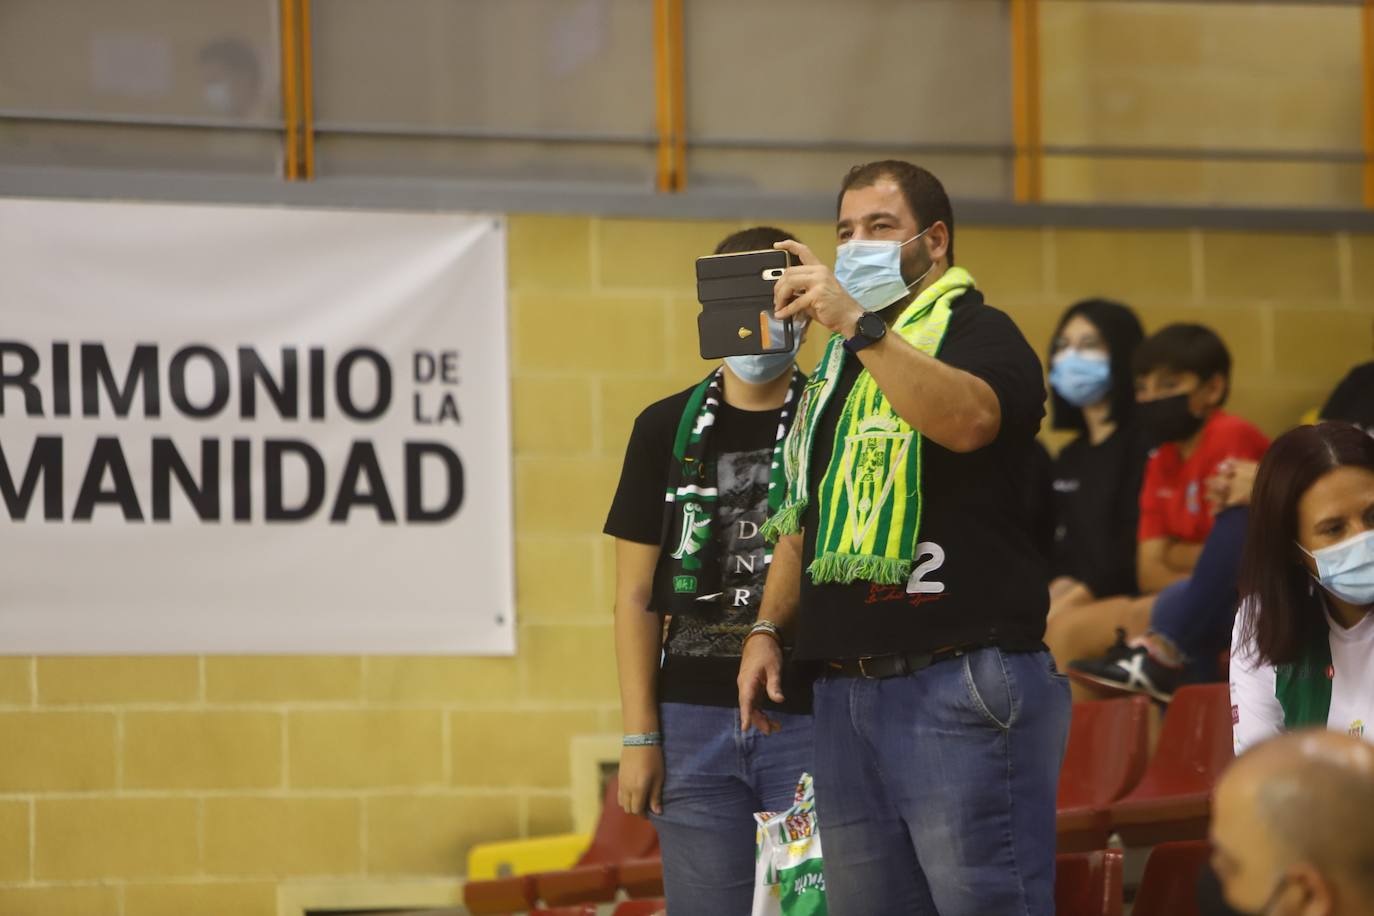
column 813, row 882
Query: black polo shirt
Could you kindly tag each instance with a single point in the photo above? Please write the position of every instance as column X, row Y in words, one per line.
column 981, row 579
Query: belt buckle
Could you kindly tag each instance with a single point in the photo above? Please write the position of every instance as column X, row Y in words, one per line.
column 863, row 672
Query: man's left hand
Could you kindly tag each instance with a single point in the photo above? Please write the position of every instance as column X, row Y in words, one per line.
column 811, row 291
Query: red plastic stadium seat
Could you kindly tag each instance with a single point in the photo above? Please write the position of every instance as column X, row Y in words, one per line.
column 642, row 877
column 1174, row 799
column 641, row 908
column 595, row 878
column 1107, row 752
column 1088, row 883
column 566, row 911
column 500, row 895
column 1169, row 885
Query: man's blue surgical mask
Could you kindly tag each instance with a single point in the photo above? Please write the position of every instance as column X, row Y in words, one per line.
column 1346, row 570
column 871, row 271
column 1081, row 378
column 757, row 368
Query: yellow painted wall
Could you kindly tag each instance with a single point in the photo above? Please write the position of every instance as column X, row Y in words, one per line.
column 1201, row 76
column 187, row 786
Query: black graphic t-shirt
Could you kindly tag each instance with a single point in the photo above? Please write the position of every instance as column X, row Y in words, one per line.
column 979, row 578
column 1097, row 510
column 702, row 650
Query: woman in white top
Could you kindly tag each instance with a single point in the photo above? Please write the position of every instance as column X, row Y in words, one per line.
column 1302, row 652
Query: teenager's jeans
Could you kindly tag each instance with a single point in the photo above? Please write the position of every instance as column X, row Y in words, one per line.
column 716, row 778
column 935, row 792
column 1196, row 614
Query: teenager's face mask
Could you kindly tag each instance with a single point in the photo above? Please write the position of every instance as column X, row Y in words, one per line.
column 1169, row 419
column 1081, row 377
column 1346, row 570
column 870, row 270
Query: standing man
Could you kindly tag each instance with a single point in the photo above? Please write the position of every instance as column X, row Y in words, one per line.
column 905, row 566
column 698, row 556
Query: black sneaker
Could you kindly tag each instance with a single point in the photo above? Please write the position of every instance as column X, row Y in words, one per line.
column 1128, row 670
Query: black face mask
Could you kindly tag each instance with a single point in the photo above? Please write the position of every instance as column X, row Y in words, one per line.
column 1168, row 419
column 1211, row 900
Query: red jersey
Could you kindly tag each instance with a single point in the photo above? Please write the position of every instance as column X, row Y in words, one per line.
column 1173, row 498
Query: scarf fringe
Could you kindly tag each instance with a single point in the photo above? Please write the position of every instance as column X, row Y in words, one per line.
column 845, row 568
column 785, row 521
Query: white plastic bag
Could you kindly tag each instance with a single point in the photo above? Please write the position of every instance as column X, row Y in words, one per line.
column 788, row 880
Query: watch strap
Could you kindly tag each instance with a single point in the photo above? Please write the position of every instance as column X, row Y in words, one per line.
column 861, row 337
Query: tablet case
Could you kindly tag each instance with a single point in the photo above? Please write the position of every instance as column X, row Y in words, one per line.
column 736, row 296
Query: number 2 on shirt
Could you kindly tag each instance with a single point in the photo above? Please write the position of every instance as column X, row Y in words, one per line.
column 917, row 585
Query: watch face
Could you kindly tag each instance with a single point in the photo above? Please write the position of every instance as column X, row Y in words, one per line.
column 872, row 326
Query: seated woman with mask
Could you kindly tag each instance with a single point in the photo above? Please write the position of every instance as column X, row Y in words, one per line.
column 1302, row 652
column 1097, row 476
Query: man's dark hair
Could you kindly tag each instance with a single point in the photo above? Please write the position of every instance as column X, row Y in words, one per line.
column 1185, row 348
column 923, row 192
column 755, row 238
column 1281, row 613
column 1120, row 330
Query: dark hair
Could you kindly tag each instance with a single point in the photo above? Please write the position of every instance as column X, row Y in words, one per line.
column 1282, row 617
column 1185, row 348
column 1121, row 331
column 923, row 192
column 755, row 238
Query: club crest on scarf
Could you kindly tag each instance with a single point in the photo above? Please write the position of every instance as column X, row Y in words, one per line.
column 878, row 445
column 696, row 531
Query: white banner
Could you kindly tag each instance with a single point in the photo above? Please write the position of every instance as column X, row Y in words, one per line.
column 244, row 429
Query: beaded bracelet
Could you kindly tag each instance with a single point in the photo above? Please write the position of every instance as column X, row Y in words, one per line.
column 646, row 739
column 766, row 626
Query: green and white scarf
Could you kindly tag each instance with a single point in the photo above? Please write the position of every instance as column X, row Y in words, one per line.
column 1303, row 688
column 688, row 577
column 870, row 498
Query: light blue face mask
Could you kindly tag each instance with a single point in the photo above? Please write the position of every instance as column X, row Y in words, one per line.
column 1346, row 570
column 1081, row 378
column 871, row 271
column 757, row 368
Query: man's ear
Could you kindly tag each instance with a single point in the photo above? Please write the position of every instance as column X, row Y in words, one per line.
column 937, row 241
column 1310, row 892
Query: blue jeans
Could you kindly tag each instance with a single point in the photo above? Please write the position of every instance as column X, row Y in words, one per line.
column 1196, row 614
column 935, row 792
column 715, row 778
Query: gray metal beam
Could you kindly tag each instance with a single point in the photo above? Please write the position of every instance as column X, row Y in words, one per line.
column 626, row 200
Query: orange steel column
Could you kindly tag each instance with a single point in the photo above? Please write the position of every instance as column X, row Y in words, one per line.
column 1367, row 29
column 290, row 93
column 1025, row 99
column 307, row 109
column 668, row 83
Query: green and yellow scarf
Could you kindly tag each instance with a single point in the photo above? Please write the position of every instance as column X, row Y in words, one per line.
column 870, row 498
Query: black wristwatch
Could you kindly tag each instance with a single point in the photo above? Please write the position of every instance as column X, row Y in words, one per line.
column 869, row 330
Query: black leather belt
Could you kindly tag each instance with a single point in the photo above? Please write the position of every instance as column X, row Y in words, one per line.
column 900, row 664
